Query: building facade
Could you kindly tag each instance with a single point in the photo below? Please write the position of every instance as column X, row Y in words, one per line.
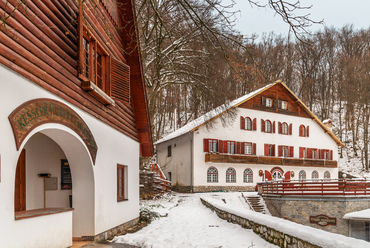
column 269, row 135
column 74, row 121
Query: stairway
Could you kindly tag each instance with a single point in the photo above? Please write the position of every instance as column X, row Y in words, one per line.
column 254, row 202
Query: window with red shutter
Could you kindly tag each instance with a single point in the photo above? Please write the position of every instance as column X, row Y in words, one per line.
column 254, row 124
column 242, row 122
column 280, row 127
column 308, row 131
column 121, row 182
column 291, row 151
column 205, row 145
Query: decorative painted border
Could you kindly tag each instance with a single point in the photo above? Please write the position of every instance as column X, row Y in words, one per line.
column 36, row 112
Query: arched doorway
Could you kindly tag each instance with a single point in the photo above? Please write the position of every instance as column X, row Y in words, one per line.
column 42, row 153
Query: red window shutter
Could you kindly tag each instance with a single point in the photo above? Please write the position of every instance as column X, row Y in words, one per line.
column 309, row 153
column 301, row 152
column 238, row 148
column 205, row 145
column 242, row 150
column 273, row 127
column 266, row 149
column 254, row 124
column 280, row 127
column 308, row 131
column 120, row 81
column 262, row 125
column 242, row 122
column 331, row 155
column 220, row 146
column 263, row 101
column 300, row 131
column 273, row 150
column 225, row 146
column 290, row 129
column 291, row 151
column 280, row 151
column 254, row 149
column 268, row 175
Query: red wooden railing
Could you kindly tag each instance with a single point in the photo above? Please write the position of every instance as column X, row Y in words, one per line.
column 160, row 181
column 317, row 187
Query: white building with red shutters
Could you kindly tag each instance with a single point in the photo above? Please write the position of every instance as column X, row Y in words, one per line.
column 273, row 136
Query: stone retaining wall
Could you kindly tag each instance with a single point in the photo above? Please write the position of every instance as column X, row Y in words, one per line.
column 111, row 233
column 300, row 208
column 267, row 233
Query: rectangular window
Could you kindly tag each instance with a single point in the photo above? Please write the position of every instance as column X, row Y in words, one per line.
column 269, row 150
column 314, row 153
column 66, row 178
column 213, row 146
column 248, row 148
column 284, row 105
column 231, row 147
column 285, row 151
column 169, row 151
column 268, row 102
column 121, row 182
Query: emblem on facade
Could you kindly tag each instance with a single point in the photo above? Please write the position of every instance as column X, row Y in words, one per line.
column 36, row 112
column 323, row 220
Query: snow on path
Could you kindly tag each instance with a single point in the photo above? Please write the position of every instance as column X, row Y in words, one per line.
column 190, row 224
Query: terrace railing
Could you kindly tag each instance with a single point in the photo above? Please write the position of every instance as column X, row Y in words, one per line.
column 316, row 187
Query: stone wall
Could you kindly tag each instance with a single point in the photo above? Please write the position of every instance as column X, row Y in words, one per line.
column 300, row 208
column 270, row 234
column 111, row 233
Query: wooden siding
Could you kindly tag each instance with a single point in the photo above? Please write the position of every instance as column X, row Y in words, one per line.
column 39, row 40
column 276, row 92
column 240, row 159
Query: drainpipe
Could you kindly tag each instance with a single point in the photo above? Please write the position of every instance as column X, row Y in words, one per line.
column 191, row 163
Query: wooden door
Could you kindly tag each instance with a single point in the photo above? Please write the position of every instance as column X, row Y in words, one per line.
column 20, row 183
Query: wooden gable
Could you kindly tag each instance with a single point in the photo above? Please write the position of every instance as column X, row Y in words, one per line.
column 41, row 41
column 276, row 92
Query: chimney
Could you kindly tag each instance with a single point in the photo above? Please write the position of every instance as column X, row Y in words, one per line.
column 328, row 123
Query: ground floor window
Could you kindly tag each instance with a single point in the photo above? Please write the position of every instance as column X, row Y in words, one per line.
column 230, row 175
column 277, row 175
column 248, row 176
column 212, row 175
column 326, row 175
column 315, row 175
column 121, row 182
column 360, row 230
column 302, row 175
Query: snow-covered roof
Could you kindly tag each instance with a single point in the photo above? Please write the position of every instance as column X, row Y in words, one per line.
column 360, row 215
column 192, row 126
column 210, row 115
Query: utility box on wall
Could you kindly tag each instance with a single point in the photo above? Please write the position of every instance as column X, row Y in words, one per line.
column 51, row 183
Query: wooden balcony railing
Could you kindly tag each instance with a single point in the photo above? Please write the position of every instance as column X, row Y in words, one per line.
column 252, row 159
column 316, row 187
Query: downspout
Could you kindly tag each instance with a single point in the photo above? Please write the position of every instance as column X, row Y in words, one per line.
column 191, row 162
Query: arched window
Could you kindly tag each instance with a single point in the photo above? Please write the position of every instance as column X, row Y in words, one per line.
column 302, row 175
column 315, row 175
column 248, row 123
column 326, row 175
column 212, row 175
column 268, row 128
column 230, row 175
column 284, row 129
column 248, row 176
column 277, row 174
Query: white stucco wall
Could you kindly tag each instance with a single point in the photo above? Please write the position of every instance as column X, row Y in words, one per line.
column 179, row 164
column 317, row 139
column 113, row 148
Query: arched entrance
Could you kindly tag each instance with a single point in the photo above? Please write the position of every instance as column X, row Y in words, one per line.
column 42, row 153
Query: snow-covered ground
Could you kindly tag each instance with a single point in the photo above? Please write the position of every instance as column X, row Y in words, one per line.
column 187, row 223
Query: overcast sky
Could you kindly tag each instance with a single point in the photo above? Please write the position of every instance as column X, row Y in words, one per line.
column 335, row 13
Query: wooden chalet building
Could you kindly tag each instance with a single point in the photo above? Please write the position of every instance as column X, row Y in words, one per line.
column 74, row 121
column 274, row 136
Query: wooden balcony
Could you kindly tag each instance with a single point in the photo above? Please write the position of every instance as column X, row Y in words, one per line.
column 252, row 159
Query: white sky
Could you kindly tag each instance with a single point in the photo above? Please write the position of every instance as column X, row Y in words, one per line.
column 335, row 13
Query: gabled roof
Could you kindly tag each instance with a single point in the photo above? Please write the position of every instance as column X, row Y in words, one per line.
column 215, row 113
